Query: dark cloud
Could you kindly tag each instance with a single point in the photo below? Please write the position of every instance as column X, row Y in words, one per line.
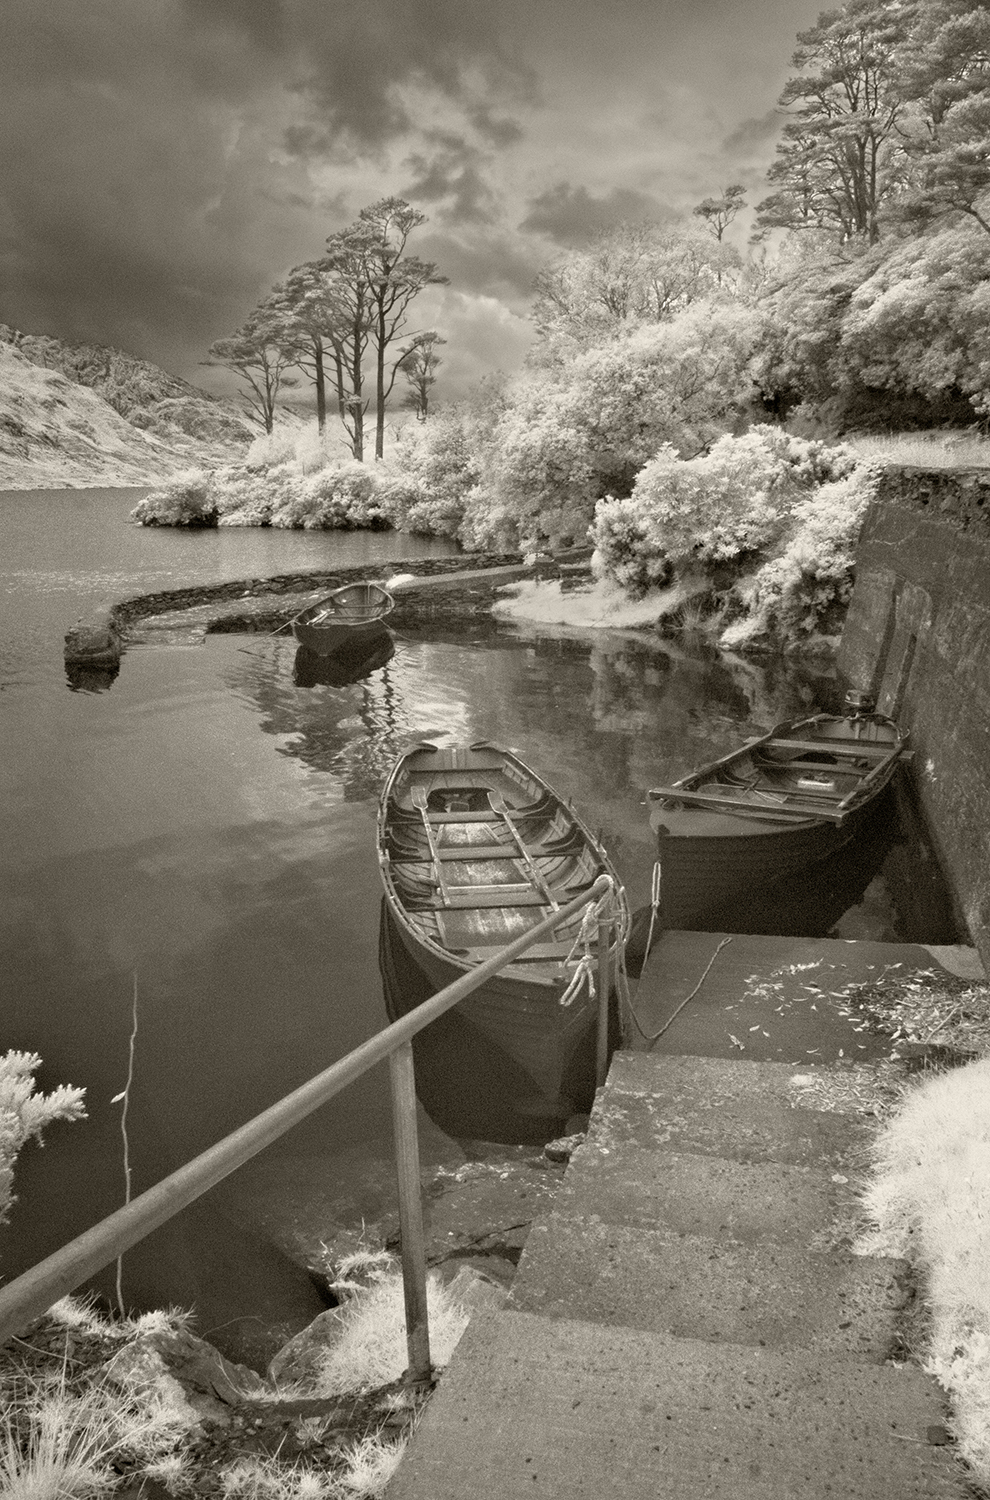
column 349, row 64
column 166, row 163
column 452, row 174
column 754, row 135
column 571, row 216
column 481, row 262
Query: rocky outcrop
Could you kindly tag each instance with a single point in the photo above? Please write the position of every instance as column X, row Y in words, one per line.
column 94, row 643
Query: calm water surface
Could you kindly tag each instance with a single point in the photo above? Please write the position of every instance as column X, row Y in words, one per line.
column 203, row 834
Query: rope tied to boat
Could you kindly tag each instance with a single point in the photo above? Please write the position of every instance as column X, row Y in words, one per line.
column 607, row 908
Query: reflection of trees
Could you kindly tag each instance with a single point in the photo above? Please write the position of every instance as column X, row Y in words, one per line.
column 353, row 731
column 601, row 715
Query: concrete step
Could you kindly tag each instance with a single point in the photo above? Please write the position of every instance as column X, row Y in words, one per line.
column 694, row 1287
column 685, row 1193
column 535, row 1408
column 747, row 1111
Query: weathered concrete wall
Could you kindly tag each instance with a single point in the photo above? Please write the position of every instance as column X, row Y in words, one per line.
column 918, row 635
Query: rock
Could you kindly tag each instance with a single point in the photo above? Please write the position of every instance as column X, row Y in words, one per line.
column 495, row 1268
column 187, row 1372
column 474, row 1291
column 563, row 1148
column 95, row 643
column 297, row 1362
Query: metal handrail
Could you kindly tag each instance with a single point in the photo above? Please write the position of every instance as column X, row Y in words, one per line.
column 29, row 1295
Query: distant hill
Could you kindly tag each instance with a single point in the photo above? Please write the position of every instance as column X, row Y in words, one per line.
column 79, row 414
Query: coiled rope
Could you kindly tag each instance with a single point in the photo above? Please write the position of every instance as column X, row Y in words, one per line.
column 609, row 908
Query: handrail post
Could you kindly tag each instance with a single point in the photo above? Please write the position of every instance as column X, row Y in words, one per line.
column 410, row 1212
column 604, row 985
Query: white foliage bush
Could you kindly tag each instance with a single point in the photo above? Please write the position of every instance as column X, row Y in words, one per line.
column 305, row 446
column 572, row 433
column 337, row 497
column 930, row 1202
column 736, row 499
column 25, row 1114
column 801, row 589
column 183, row 500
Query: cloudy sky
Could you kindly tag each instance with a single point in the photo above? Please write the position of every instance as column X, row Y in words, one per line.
column 166, row 161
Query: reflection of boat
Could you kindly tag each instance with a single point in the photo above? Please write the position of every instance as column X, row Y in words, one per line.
column 350, row 663
column 349, row 614
column 85, row 678
column 475, row 849
column 769, row 812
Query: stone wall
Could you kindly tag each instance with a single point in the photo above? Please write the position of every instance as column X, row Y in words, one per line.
column 918, row 635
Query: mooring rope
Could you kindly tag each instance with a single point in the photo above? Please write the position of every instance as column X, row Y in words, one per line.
column 655, row 1036
column 608, row 907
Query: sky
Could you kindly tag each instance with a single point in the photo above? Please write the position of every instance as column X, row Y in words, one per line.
column 166, row 162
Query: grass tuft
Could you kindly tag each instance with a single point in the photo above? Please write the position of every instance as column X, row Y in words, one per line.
column 371, row 1350
column 930, row 1203
column 370, row 1465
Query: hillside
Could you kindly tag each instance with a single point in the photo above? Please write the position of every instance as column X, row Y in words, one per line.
column 76, row 415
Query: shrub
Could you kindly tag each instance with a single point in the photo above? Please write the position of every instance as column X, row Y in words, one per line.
column 25, row 1114
column 337, row 497
column 807, row 586
column 570, row 434
column 185, row 500
column 244, row 496
column 736, row 500
column 432, row 470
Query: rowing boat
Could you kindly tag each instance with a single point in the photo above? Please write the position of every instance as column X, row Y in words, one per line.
column 356, row 612
column 475, row 849
column 768, row 812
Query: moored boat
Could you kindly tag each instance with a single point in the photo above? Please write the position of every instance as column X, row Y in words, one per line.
column 769, row 812
column 475, row 849
column 351, row 614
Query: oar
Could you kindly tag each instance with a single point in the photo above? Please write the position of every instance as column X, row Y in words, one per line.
column 418, row 795
column 498, row 805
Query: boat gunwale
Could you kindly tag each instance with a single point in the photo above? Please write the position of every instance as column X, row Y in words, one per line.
column 465, row 959
column 379, row 610
column 687, row 792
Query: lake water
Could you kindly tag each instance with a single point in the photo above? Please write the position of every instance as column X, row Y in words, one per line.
column 202, row 835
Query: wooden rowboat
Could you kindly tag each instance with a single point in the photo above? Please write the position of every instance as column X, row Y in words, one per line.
column 768, row 812
column 475, row 849
column 354, row 613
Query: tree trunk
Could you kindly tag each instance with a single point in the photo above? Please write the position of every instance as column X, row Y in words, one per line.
column 321, row 389
column 380, row 388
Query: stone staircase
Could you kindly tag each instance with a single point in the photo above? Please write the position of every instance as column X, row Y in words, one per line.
column 688, row 1321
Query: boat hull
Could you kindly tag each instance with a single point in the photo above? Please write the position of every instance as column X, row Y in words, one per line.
column 327, row 640
column 720, row 866
column 458, row 893
column 350, row 619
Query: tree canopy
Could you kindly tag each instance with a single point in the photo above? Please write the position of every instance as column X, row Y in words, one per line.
column 888, row 114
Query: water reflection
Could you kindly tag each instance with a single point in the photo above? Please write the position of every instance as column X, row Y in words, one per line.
column 83, row 678
column 210, row 825
column 345, row 666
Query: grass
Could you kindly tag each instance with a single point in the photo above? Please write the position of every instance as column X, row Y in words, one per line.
column 928, row 1198
column 926, row 450
column 371, row 1348
column 67, row 1433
